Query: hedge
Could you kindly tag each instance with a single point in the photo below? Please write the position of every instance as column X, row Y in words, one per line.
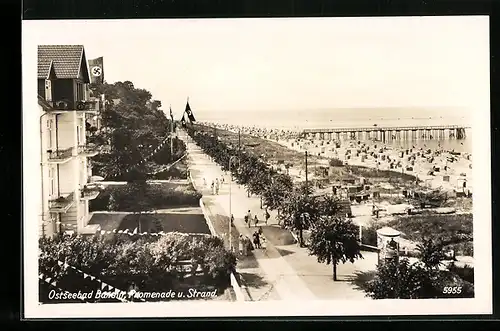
column 156, row 197
column 146, row 263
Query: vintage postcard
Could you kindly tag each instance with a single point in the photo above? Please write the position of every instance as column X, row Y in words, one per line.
column 257, row 167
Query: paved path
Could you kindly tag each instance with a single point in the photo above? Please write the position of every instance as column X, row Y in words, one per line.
column 293, row 273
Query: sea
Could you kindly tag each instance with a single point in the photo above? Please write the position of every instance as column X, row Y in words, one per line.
column 354, row 118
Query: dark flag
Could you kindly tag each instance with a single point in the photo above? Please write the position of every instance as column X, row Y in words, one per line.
column 172, row 120
column 183, row 121
column 96, row 70
column 190, row 113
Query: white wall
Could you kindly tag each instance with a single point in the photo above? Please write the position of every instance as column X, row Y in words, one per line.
column 66, row 124
column 41, row 187
column 73, row 174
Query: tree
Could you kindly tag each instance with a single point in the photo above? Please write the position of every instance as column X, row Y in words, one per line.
column 134, row 128
column 397, row 280
column 300, row 210
column 279, row 187
column 137, row 199
column 431, row 253
column 334, row 240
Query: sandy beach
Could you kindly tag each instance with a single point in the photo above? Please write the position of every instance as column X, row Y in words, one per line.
column 436, row 168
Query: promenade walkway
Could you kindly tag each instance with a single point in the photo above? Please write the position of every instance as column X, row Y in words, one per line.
column 286, row 271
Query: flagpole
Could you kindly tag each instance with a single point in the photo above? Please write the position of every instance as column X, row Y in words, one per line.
column 171, row 134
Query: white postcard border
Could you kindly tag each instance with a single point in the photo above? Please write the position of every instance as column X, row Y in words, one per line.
column 33, row 35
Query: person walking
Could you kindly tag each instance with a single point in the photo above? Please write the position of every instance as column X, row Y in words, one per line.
column 266, row 215
column 232, row 220
column 256, row 241
column 256, row 220
column 249, row 218
column 217, row 184
column 263, row 244
column 241, row 245
column 213, row 187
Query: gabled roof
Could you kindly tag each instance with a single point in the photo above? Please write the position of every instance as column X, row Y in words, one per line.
column 65, row 60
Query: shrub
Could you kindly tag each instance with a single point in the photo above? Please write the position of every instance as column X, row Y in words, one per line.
column 147, row 263
column 334, row 162
column 403, row 280
column 118, row 198
column 466, row 272
column 369, row 236
column 463, row 248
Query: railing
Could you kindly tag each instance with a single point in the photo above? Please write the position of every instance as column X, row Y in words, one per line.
column 377, row 128
column 88, row 149
column 93, row 104
column 89, row 191
column 60, row 154
column 62, row 203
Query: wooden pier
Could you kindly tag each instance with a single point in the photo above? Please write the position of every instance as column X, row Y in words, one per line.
column 388, row 133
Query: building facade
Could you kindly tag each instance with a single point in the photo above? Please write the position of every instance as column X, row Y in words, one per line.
column 64, row 104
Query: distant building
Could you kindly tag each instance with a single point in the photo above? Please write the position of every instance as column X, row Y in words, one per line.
column 63, row 103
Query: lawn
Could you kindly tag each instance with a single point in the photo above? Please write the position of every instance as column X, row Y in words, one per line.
column 452, row 228
column 278, row 236
column 221, row 223
column 374, row 175
column 166, row 222
column 177, row 171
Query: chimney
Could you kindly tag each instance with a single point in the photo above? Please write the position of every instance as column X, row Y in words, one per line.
column 48, row 90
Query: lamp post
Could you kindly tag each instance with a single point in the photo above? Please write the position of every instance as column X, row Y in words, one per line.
column 230, row 207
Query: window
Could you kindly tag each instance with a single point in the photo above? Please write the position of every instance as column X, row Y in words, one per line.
column 51, row 182
column 50, row 124
column 78, row 131
column 83, row 177
column 80, row 92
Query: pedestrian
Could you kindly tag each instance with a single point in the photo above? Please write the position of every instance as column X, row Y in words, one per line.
column 256, row 242
column 204, row 182
column 267, row 215
column 249, row 218
column 213, row 187
column 232, row 220
column 217, row 187
column 260, row 230
column 256, row 220
column 263, row 243
column 241, row 245
column 248, row 245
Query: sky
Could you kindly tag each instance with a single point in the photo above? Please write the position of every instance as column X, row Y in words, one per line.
column 280, row 65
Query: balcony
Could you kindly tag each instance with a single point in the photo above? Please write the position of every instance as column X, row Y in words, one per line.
column 61, row 204
column 59, row 155
column 89, row 191
column 88, row 150
column 89, row 106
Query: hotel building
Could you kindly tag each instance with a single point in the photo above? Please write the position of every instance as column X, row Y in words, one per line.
column 64, row 103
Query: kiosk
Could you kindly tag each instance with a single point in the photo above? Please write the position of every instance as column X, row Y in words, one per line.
column 388, row 244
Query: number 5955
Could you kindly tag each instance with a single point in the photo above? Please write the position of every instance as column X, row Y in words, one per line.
column 452, row 290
